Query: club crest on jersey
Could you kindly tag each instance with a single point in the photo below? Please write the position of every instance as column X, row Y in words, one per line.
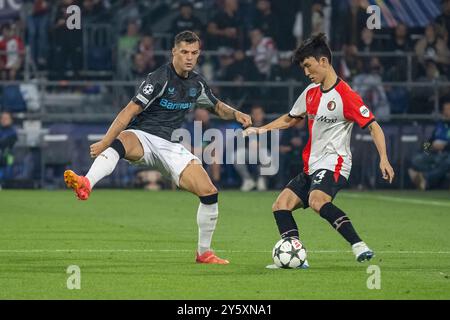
column 148, row 89
column 331, row 105
column 364, row 111
column 192, row 92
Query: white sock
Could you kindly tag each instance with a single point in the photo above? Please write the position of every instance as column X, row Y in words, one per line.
column 207, row 215
column 103, row 166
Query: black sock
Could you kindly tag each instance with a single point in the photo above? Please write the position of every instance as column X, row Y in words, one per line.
column 339, row 221
column 118, row 146
column 286, row 223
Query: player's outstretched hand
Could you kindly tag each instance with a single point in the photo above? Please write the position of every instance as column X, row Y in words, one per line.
column 243, row 119
column 253, row 130
column 386, row 170
column 97, row 148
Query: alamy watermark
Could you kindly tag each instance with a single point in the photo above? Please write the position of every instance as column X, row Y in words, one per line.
column 260, row 149
column 374, row 21
column 74, row 280
column 73, row 21
column 374, row 280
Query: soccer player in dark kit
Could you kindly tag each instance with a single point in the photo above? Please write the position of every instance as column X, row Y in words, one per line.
column 141, row 133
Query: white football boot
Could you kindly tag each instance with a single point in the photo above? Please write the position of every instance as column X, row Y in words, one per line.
column 362, row 251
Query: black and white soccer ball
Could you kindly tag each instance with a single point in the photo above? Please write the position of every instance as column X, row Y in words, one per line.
column 289, row 253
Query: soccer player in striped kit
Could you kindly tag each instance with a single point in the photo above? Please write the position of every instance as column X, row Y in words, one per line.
column 331, row 107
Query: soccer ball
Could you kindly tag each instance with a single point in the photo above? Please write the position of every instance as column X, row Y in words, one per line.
column 289, row 253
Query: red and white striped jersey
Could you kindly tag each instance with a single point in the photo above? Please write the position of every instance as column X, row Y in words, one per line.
column 331, row 115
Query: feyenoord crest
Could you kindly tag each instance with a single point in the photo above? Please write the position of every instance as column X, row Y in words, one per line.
column 148, row 89
column 331, row 105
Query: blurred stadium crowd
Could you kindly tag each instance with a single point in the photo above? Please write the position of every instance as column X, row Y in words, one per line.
column 400, row 70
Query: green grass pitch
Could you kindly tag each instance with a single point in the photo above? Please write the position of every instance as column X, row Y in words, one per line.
column 132, row 244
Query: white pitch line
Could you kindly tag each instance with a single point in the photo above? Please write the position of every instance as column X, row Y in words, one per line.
column 396, row 199
column 190, row 251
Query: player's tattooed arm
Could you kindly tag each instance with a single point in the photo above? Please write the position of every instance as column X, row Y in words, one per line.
column 119, row 124
column 283, row 122
column 380, row 143
column 226, row 112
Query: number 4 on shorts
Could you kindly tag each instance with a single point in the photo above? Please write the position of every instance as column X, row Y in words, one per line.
column 319, row 177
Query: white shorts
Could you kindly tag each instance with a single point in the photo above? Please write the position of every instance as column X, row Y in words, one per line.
column 167, row 157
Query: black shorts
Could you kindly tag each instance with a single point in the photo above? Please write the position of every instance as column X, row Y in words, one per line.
column 322, row 180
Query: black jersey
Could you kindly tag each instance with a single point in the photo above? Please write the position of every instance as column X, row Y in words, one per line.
column 166, row 97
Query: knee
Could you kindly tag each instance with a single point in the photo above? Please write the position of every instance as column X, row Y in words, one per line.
column 281, row 204
column 208, row 191
column 132, row 147
column 123, row 136
column 316, row 203
column 210, row 198
column 275, row 206
column 212, row 190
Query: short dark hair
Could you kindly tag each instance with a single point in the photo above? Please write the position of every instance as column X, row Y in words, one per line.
column 315, row 46
column 187, row 36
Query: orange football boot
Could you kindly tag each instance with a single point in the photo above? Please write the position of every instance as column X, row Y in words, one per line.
column 210, row 258
column 79, row 184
